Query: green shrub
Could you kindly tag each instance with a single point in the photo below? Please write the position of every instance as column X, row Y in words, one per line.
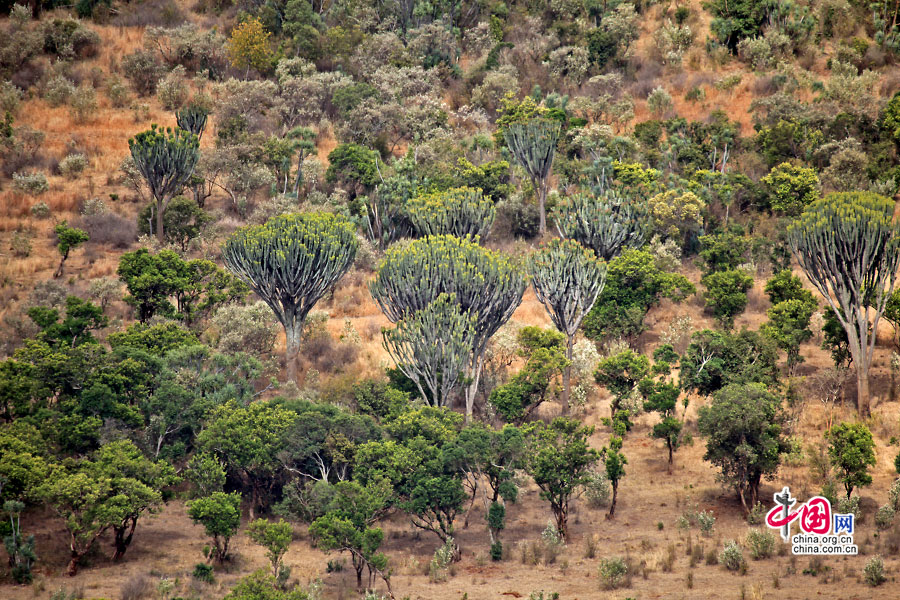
column 83, row 104
column 884, row 517
column 40, row 210
column 761, row 543
column 597, row 489
column 732, row 557
column 873, row 572
column 613, row 573
column 10, row 98
column 707, row 521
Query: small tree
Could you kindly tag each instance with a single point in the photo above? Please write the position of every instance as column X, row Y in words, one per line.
column 533, row 144
column 166, row 159
column 69, row 238
column 615, row 462
column 852, row 451
column 620, row 374
column 849, row 247
column 220, row 515
column 726, row 294
column 457, row 211
column 432, row 347
column 248, row 46
column 791, row 189
column 291, row 262
column 19, row 547
column 559, row 460
column 661, row 396
column 788, row 326
column 607, row 223
column 274, row 537
column 745, row 437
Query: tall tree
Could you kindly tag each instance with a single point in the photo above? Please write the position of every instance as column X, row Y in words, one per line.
column 488, row 286
column 166, row 159
column 432, row 347
column 607, row 222
column 291, row 261
column 849, row 246
column 852, row 451
column 567, row 279
column 533, row 144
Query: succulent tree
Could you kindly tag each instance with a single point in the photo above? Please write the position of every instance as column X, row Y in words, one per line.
column 432, row 347
column 487, row 286
column 533, row 144
column 606, row 222
column 458, row 211
column 567, row 279
column 193, row 118
column 166, row 159
column 849, row 247
column 291, row 261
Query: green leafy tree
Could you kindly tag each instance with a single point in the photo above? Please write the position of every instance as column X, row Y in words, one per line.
column 458, row 211
column 533, row 145
column 661, row 396
column 784, row 285
column 724, row 251
column 354, row 166
column 248, row 439
column 274, row 537
column 248, row 46
column 744, row 427
column 852, row 451
column 291, row 262
column 849, row 247
column 620, row 374
column 788, row 326
column 543, row 350
column 791, row 188
column 262, row 586
column 634, row 284
column 715, row 359
column 614, row 462
column 726, row 294
column 81, row 318
column 487, row 286
column 220, row 515
column 165, row 158
column 432, row 348
column 559, row 460
column 607, row 223
column 567, row 279
column 182, row 222
column 677, row 215
column 69, row 238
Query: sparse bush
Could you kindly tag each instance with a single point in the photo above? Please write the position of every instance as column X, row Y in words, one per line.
column 58, row 91
column 761, row 543
column 69, row 39
column 110, row 228
column 884, row 517
column 894, row 495
column 93, row 206
column 707, row 521
column 873, row 572
column 172, row 90
column 440, row 563
column 597, row 490
column 83, row 104
column 756, row 514
column 21, row 244
column 613, row 573
column 143, row 70
column 117, row 92
column 244, row 329
column 849, row 506
column 136, row 587
column 659, row 102
column 10, row 98
column 73, row 165
column 732, row 557
column 33, row 184
column 40, row 210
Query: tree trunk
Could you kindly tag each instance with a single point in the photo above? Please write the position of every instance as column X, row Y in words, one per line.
column 542, row 200
column 159, row 223
column 670, row 457
column 292, row 348
column 862, row 389
column 612, row 507
column 72, row 569
column 562, row 522
column 472, row 390
column 567, row 375
column 122, row 541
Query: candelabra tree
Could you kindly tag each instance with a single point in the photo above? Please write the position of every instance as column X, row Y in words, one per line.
column 606, row 223
column 849, row 246
column 291, row 261
column 486, row 285
column 533, row 144
column 457, row 211
column 432, row 347
column 193, row 118
column 166, row 159
column 567, row 279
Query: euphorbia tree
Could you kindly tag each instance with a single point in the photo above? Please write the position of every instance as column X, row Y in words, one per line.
column 533, row 144
column 849, row 246
column 487, row 286
column 606, row 223
column 166, row 159
column 567, row 279
column 457, row 211
column 291, row 262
